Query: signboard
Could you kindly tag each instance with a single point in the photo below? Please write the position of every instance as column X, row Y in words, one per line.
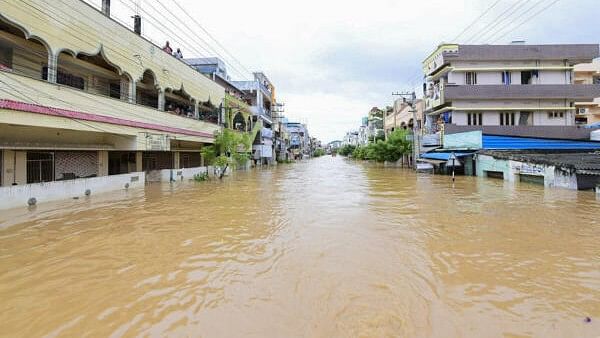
column 424, row 166
column 154, row 142
column 529, row 169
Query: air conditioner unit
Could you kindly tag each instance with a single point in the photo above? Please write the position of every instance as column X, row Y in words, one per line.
column 582, row 111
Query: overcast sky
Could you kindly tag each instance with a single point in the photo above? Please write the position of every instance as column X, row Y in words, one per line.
column 331, row 61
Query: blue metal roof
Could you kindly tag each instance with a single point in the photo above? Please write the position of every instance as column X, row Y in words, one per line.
column 443, row 156
column 491, row 142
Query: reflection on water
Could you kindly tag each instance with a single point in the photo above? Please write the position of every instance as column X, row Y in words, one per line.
column 326, row 248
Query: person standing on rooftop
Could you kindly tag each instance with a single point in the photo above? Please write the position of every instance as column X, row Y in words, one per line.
column 178, row 55
column 167, row 48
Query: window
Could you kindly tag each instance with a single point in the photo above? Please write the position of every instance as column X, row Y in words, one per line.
column 507, row 119
column 6, row 57
column 596, row 80
column 115, row 90
column 556, row 115
column 471, row 78
column 65, row 78
column 526, row 77
column 475, row 119
column 524, row 118
column 506, row 77
column 40, row 167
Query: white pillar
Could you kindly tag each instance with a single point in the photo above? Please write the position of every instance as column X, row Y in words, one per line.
column 132, row 92
column 161, row 100
column 52, row 67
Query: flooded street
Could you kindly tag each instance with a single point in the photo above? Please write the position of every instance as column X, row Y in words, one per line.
column 323, row 248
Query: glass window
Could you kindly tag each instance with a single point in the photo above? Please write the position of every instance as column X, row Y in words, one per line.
column 471, row 78
column 506, row 78
column 6, row 56
column 40, row 167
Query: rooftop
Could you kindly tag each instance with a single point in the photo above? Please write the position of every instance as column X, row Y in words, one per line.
column 571, row 52
column 577, row 161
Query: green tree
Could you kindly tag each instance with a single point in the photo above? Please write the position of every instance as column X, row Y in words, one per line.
column 319, row 152
column 347, row 150
column 393, row 149
column 229, row 150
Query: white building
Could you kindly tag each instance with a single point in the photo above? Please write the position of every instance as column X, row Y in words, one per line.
column 505, row 85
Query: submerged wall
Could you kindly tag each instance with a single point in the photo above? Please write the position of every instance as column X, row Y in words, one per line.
column 22, row 195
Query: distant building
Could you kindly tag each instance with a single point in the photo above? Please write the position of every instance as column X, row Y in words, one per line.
column 375, row 124
column 299, row 139
column 402, row 115
column 259, row 93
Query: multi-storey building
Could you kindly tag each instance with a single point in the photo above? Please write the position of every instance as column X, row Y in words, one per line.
column 505, row 85
column 588, row 112
column 403, row 115
column 299, row 139
column 260, row 95
column 83, row 96
column 236, row 113
column 375, row 124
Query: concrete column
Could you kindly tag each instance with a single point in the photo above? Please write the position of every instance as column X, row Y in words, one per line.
column 123, row 95
column 197, row 110
column 102, row 163
column 52, row 67
column 139, row 167
column 132, row 92
column 161, row 100
column 176, row 161
column 14, row 166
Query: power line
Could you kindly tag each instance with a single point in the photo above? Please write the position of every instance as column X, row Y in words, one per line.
column 491, row 26
column 194, row 46
column 57, row 111
column 477, row 19
column 191, row 38
column 528, row 19
column 241, row 73
column 67, row 30
column 210, row 35
column 509, row 20
column 508, row 24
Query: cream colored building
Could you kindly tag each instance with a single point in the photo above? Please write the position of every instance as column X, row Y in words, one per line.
column 83, row 96
column 403, row 115
column 588, row 73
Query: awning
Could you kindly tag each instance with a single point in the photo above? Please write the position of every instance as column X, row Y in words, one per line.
column 444, row 156
column 434, row 162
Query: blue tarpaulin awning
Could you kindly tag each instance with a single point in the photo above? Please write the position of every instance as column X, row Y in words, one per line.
column 443, row 156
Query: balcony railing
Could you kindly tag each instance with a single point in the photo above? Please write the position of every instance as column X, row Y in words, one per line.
column 233, row 102
column 46, row 98
column 582, row 92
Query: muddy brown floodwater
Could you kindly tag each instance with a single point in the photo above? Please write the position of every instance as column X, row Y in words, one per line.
column 323, row 248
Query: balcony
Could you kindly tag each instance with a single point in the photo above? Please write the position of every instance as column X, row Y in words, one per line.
column 37, row 103
column 582, row 92
column 235, row 103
